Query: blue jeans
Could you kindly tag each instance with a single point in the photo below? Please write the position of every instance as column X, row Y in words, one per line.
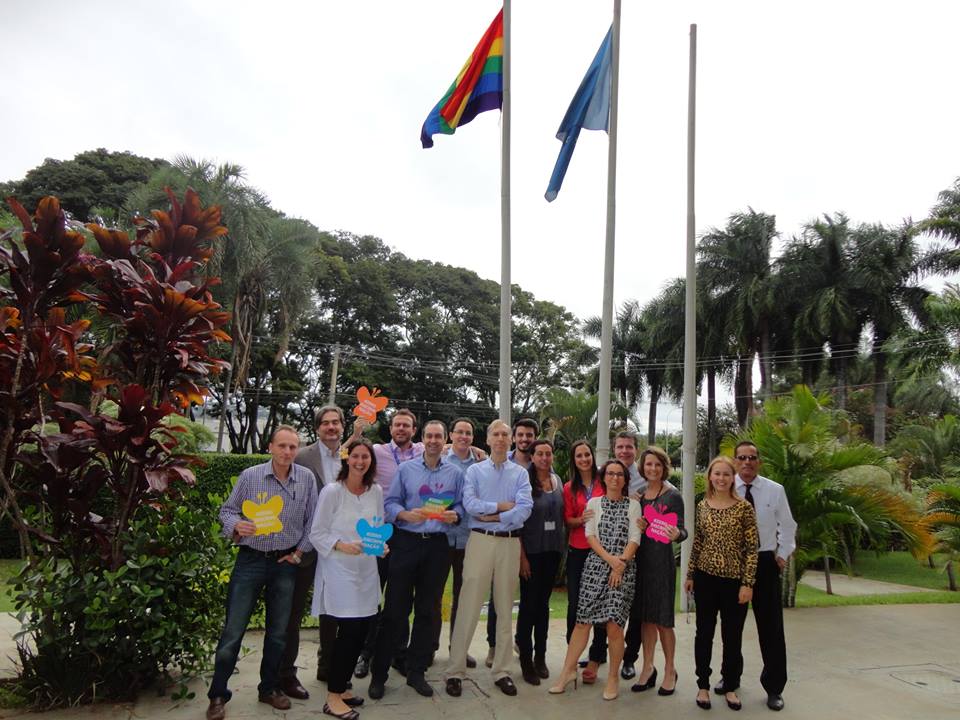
column 254, row 573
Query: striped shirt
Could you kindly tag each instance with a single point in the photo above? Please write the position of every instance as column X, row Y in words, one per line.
column 258, row 483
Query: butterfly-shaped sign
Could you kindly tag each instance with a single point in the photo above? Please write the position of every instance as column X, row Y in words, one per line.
column 369, row 403
column 264, row 514
column 373, row 535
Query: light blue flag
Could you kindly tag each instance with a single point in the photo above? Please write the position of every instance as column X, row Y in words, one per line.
column 590, row 109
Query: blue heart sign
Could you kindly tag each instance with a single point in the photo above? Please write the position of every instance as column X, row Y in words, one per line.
column 373, row 536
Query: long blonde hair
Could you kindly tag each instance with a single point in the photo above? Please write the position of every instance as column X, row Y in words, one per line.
column 733, row 469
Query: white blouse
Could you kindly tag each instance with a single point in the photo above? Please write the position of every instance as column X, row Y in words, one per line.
column 345, row 586
column 593, row 524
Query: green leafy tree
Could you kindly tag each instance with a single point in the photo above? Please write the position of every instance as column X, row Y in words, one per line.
column 95, row 182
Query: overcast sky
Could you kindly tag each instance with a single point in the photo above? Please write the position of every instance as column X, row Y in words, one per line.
column 803, row 108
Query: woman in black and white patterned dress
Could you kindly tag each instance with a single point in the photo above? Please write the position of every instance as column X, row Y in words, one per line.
column 607, row 584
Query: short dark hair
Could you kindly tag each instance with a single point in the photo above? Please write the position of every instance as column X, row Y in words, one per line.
column 441, row 423
column 527, row 423
column 744, row 443
column 404, row 411
column 370, row 474
column 626, row 435
column 626, row 476
column 318, row 415
column 468, row 421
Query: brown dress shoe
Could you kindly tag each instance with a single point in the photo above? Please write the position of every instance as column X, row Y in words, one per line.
column 292, row 688
column 276, row 699
column 216, row 710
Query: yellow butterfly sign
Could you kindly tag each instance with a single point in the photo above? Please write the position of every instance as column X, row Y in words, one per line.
column 265, row 514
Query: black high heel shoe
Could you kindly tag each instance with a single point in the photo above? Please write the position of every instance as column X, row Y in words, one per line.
column 651, row 682
column 663, row 691
column 703, row 704
column 733, row 705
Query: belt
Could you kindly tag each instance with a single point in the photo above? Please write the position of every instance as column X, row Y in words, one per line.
column 423, row 535
column 498, row 533
column 272, row 554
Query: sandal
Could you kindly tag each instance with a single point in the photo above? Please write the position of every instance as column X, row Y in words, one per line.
column 349, row 715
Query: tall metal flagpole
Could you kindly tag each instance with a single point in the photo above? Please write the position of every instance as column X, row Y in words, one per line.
column 505, row 295
column 690, row 327
column 606, row 332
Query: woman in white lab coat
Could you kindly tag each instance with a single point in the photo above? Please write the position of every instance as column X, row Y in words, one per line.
column 347, row 586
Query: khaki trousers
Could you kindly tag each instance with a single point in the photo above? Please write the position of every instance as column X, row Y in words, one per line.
column 487, row 558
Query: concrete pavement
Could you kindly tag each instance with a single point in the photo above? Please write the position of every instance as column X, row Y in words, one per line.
column 890, row 661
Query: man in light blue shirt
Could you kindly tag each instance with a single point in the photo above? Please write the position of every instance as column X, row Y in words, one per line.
column 424, row 501
column 497, row 498
column 461, row 455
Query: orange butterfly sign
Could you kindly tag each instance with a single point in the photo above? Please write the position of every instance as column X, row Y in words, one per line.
column 369, row 403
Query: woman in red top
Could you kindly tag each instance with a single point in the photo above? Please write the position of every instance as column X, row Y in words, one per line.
column 584, row 484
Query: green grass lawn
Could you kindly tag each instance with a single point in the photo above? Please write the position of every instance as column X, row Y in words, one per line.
column 900, row 567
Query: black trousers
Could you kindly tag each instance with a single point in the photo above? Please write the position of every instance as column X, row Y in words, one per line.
column 373, row 632
column 576, row 558
column 633, row 638
column 346, row 649
column 768, row 614
column 533, row 619
column 712, row 595
column 328, row 626
column 418, row 572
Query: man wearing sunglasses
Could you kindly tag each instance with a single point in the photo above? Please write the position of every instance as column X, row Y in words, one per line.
column 777, row 531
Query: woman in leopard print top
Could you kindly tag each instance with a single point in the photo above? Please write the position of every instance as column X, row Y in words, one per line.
column 721, row 573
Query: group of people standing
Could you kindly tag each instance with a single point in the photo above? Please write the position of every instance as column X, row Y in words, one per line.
column 496, row 521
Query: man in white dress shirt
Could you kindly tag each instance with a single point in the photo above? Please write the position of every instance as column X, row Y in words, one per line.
column 778, row 532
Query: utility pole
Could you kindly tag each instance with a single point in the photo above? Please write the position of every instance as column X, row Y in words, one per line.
column 334, row 366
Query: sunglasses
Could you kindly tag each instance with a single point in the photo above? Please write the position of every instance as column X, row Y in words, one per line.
column 744, row 458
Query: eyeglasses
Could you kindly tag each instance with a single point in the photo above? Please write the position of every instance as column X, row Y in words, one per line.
column 610, row 473
column 744, row 458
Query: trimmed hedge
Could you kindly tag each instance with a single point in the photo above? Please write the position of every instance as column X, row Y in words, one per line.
column 216, row 475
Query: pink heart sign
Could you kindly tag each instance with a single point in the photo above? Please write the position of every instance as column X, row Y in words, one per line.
column 659, row 524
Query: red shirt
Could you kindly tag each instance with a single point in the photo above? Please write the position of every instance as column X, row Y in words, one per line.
column 573, row 507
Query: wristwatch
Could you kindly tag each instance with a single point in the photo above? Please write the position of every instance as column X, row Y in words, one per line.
column 296, row 558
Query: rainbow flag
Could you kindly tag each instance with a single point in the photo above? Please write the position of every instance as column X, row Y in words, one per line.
column 478, row 87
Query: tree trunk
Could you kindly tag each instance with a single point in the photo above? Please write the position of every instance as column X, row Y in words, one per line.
column 841, row 380
column 847, row 557
column 766, row 364
column 741, row 394
column 652, row 419
column 826, row 571
column 951, row 578
column 930, row 561
column 880, row 399
column 711, row 414
column 790, row 584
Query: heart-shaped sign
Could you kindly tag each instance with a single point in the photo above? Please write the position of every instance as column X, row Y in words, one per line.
column 374, row 535
column 435, row 503
column 264, row 514
column 659, row 524
column 369, row 403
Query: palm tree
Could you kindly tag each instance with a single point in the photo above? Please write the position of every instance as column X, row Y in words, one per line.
column 663, row 339
column 888, row 265
column 931, row 451
column 818, row 275
column 571, row 415
column 735, row 270
column 837, row 493
column 943, row 512
column 627, row 350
